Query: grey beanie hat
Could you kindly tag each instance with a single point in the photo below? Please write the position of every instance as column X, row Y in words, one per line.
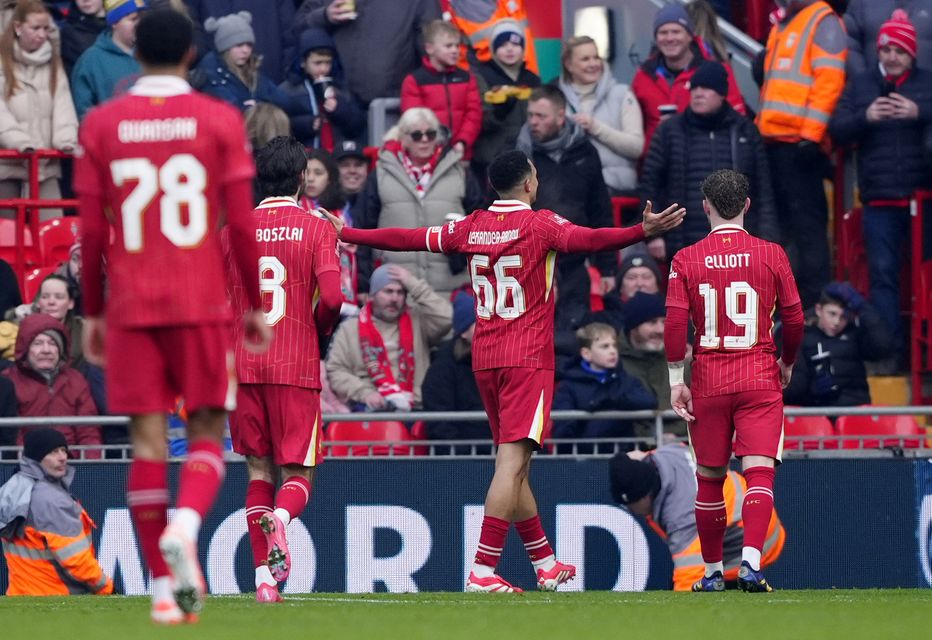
column 380, row 279
column 231, row 30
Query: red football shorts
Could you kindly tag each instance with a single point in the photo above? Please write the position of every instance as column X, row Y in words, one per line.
column 278, row 421
column 148, row 368
column 752, row 419
column 518, row 401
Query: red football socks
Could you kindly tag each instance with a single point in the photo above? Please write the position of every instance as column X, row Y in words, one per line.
column 491, row 541
column 293, row 496
column 758, row 505
column 147, row 497
column 259, row 497
column 534, row 539
column 201, row 476
column 711, row 518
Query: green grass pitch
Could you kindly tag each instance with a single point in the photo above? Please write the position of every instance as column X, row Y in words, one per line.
column 788, row 615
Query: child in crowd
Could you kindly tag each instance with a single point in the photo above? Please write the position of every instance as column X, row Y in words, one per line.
column 450, row 92
column 596, row 381
column 329, row 114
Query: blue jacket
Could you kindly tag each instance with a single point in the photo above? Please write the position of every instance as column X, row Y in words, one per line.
column 218, row 81
column 103, row 71
column 583, row 391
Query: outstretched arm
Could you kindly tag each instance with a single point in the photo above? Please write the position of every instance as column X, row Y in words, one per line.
column 584, row 239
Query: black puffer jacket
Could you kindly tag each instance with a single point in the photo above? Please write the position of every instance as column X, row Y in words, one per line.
column 78, row 32
column 891, row 153
column 687, row 148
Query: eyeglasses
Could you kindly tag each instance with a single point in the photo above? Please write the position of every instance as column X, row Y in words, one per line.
column 430, row 134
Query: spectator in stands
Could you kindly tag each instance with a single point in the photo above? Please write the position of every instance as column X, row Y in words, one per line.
column 477, row 21
column 570, row 176
column 596, row 381
column 863, row 19
column 662, row 82
column 46, row 532
column 378, row 360
column 704, row 17
column 85, row 21
column 606, row 110
column 36, row 111
column 9, row 288
column 885, row 111
column 643, row 356
column 689, row 146
column 272, row 22
column 378, row 45
column 265, row 121
column 441, row 86
column 830, row 368
column 417, row 182
column 505, row 83
column 231, row 72
column 46, row 385
column 108, row 68
column 354, row 168
column 450, row 384
column 803, row 79
column 71, row 271
column 638, row 272
column 329, row 113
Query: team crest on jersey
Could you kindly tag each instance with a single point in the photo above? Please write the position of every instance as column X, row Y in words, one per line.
column 500, row 217
column 726, row 240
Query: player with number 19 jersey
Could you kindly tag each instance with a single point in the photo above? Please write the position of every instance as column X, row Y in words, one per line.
column 732, row 282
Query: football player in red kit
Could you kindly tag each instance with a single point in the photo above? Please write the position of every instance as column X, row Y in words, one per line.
column 512, row 251
column 277, row 421
column 165, row 168
column 729, row 284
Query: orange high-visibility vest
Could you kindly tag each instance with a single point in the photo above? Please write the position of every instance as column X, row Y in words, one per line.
column 479, row 34
column 47, row 564
column 802, row 82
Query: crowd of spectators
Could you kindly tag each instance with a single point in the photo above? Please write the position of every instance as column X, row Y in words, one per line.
column 469, row 84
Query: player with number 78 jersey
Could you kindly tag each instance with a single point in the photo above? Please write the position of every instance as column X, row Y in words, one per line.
column 511, row 251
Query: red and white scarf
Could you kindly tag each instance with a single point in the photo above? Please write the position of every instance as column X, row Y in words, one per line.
column 375, row 356
column 420, row 174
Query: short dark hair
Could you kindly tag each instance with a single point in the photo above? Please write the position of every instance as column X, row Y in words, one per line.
column 279, row 165
column 727, row 191
column 551, row 93
column 508, row 170
column 163, row 37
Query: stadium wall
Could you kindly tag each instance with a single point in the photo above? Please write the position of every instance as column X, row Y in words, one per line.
column 411, row 525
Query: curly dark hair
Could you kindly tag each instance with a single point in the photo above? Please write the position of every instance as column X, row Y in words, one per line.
column 727, row 191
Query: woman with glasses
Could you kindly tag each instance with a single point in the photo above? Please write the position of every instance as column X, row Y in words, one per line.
column 419, row 181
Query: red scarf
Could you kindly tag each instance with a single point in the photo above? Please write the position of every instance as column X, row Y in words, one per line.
column 348, row 269
column 420, row 174
column 375, row 356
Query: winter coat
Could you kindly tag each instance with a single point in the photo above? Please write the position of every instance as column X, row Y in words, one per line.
column 838, row 379
column 78, row 33
column 67, row 394
column 650, row 367
column 450, row 385
column 655, row 85
column 380, row 47
column 862, row 22
column 103, row 71
column 500, row 122
column 390, row 199
column 47, row 536
column 346, row 371
column 272, row 23
column 685, row 150
column 7, row 410
column 891, row 157
column 617, row 134
column 453, row 96
column 216, row 79
column 583, row 391
column 33, row 117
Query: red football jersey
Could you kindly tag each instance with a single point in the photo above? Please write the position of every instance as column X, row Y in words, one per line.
column 295, row 247
column 159, row 158
column 731, row 284
column 512, row 252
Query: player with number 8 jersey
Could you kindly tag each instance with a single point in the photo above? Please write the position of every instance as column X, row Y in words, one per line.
column 511, row 251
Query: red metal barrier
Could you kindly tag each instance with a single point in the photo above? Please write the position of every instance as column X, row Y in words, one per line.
column 920, row 340
column 27, row 209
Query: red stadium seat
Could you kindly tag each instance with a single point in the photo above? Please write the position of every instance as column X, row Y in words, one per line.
column 419, row 432
column 8, row 245
column 33, row 281
column 622, row 203
column 596, row 303
column 796, row 427
column 364, row 431
column 56, row 237
column 851, row 253
column 877, row 426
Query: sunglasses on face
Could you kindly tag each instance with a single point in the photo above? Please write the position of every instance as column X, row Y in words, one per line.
column 429, row 134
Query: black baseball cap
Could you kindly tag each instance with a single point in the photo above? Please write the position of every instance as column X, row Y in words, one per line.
column 348, row 149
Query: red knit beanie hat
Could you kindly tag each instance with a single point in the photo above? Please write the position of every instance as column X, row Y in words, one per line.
column 898, row 30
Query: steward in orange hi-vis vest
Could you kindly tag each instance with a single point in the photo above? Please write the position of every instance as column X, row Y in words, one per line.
column 802, row 80
column 479, row 32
